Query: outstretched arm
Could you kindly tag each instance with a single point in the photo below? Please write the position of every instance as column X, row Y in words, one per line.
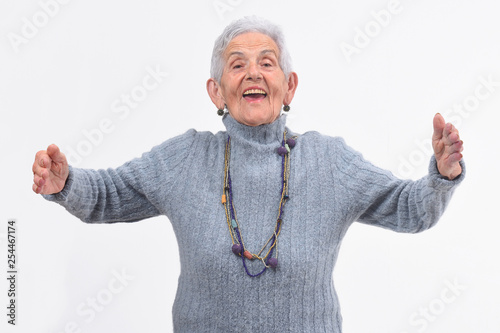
column 136, row 190
column 406, row 205
column 112, row 195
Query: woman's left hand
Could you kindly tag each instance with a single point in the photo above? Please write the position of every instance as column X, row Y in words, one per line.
column 447, row 147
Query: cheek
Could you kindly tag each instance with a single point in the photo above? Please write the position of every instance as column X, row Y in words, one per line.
column 228, row 95
column 280, row 86
column 230, row 91
column 279, row 94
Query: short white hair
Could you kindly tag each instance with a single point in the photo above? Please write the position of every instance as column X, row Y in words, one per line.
column 244, row 25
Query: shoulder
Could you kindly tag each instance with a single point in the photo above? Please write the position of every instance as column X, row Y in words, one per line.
column 189, row 139
column 174, row 151
column 334, row 150
column 332, row 145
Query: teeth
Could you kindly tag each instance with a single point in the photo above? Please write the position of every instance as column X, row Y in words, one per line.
column 254, row 91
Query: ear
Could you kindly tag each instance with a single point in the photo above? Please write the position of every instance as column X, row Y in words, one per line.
column 293, row 81
column 214, row 92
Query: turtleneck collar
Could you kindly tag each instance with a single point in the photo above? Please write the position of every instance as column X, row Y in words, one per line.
column 268, row 134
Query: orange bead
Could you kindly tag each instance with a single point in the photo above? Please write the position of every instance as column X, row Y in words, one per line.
column 223, row 198
column 248, row 255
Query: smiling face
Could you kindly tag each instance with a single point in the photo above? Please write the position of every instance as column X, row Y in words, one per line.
column 252, row 86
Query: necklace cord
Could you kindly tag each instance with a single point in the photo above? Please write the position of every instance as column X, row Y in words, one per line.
column 232, row 220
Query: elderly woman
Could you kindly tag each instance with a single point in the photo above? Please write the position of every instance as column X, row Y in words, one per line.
column 259, row 211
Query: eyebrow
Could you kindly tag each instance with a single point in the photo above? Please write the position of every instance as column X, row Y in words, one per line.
column 239, row 53
column 268, row 51
column 235, row 53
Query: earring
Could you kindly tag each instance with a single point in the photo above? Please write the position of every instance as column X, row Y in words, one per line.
column 286, row 108
column 220, row 112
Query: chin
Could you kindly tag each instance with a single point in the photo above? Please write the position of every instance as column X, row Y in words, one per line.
column 257, row 119
column 257, row 122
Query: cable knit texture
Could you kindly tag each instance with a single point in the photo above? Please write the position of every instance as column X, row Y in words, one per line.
column 331, row 186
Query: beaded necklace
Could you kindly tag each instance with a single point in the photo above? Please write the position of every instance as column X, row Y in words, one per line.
column 270, row 258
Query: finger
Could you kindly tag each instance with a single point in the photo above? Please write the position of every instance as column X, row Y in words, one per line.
column 38, row 181
column 36, row 189
column 38, row 159
column 456, row 147
column 453, row 138
column 451, row 134
column 438, row 124
column 40, row 170
column 448, row 128
column 55, row 154
column 454, row 158
column 43, row 160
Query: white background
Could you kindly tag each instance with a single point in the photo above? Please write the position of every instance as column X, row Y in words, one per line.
column 64, row 77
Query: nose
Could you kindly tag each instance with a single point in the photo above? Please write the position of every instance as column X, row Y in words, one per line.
column 253, row 72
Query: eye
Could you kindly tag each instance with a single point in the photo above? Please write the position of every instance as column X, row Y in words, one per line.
column 267, row 63
column 237, row 65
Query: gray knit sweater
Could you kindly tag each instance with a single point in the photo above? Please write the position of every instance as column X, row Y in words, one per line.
column 331, row 186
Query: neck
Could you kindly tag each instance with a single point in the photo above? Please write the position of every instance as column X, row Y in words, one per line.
column 268, row 134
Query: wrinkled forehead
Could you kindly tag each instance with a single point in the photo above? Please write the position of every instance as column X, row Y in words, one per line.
column 251, row 43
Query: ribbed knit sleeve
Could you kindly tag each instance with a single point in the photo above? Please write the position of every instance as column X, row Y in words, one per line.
column 134, row 191
column 381, row 199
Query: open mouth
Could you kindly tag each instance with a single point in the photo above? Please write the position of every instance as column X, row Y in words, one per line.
column 254, row 95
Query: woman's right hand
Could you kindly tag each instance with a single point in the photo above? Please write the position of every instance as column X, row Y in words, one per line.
column 50, row 171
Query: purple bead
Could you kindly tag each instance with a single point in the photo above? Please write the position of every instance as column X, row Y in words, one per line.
column 290, row 142
column 273, row 262
column 236, row 248
column 282, row 150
